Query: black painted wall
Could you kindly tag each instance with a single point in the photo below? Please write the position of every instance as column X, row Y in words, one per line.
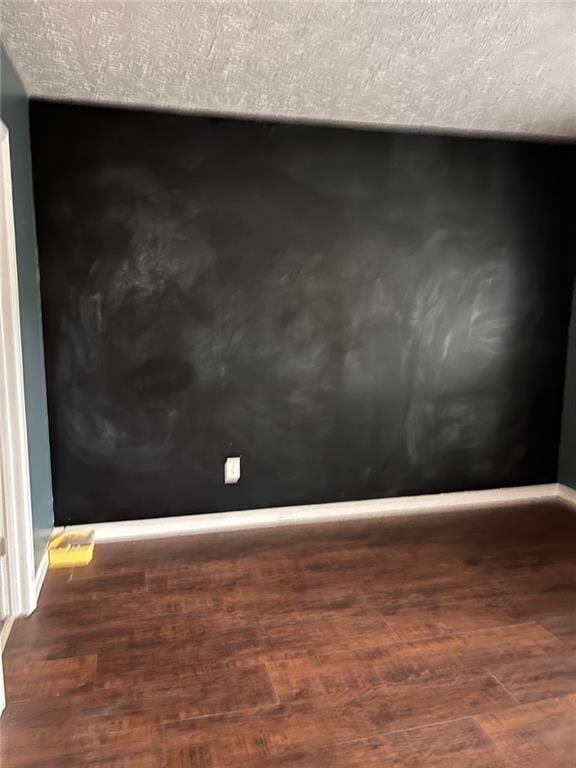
column 354, row 313
column 567, row 462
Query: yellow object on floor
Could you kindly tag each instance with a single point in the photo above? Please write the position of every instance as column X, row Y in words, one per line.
column 71, row 550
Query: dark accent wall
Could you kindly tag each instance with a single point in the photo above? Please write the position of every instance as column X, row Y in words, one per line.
column 355, row 313
column 567, row 468
column 14, row 114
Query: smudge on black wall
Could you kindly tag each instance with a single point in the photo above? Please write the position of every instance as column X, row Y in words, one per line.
column 355, row 313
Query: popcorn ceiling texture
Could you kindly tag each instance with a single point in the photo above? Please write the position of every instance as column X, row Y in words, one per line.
column 489, row 66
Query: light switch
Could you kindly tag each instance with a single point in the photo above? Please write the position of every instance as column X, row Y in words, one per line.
column 232, row 470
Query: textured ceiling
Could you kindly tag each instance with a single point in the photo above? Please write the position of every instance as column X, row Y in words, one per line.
column 483, row 66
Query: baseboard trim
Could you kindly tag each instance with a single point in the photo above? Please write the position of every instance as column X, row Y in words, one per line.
column 38, row 584
column 41, row 574
column 165, row 527
column 567, row 494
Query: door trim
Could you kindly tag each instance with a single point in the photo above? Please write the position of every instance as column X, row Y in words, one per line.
column 18, row 565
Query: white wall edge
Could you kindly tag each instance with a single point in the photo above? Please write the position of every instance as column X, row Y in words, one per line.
column 41, row 574
column 5, row 631
column 18, row 566
column 4, row 635
column 131, row 530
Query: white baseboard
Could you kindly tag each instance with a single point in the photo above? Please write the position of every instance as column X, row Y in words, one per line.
column 41, row 574
column 38, row 583
column 567, row 494
column 315, row 513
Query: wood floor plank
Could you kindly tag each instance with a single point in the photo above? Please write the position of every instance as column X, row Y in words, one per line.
column 407, row 691
column 185, row 643
column 460, row 744
column 98, row 722
column 539, row 735
column 25, row 747
column 129, row 586
column 563, row 626
column 444, row 609
column 472, row 651
column 205, row 691
column 128, row 643
column 534, row 679
column 57, row 618
column 149, row 757
column 29, row 675
column 321, row 634
column 308, row 724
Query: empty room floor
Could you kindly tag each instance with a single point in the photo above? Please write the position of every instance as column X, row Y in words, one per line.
column 445, row 640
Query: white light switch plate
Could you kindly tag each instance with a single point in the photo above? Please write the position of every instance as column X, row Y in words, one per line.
column 232, row 470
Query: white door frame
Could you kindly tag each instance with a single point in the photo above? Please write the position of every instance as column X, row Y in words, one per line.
column 17, row 568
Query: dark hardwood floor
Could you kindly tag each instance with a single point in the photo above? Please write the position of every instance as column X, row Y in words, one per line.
column 438, row 641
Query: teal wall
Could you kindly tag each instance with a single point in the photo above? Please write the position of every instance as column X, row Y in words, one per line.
column 14, row 114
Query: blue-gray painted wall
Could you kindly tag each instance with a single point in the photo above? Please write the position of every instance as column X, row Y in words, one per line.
column 14, row 113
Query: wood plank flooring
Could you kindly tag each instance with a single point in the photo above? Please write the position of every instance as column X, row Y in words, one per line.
column 445, row 641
